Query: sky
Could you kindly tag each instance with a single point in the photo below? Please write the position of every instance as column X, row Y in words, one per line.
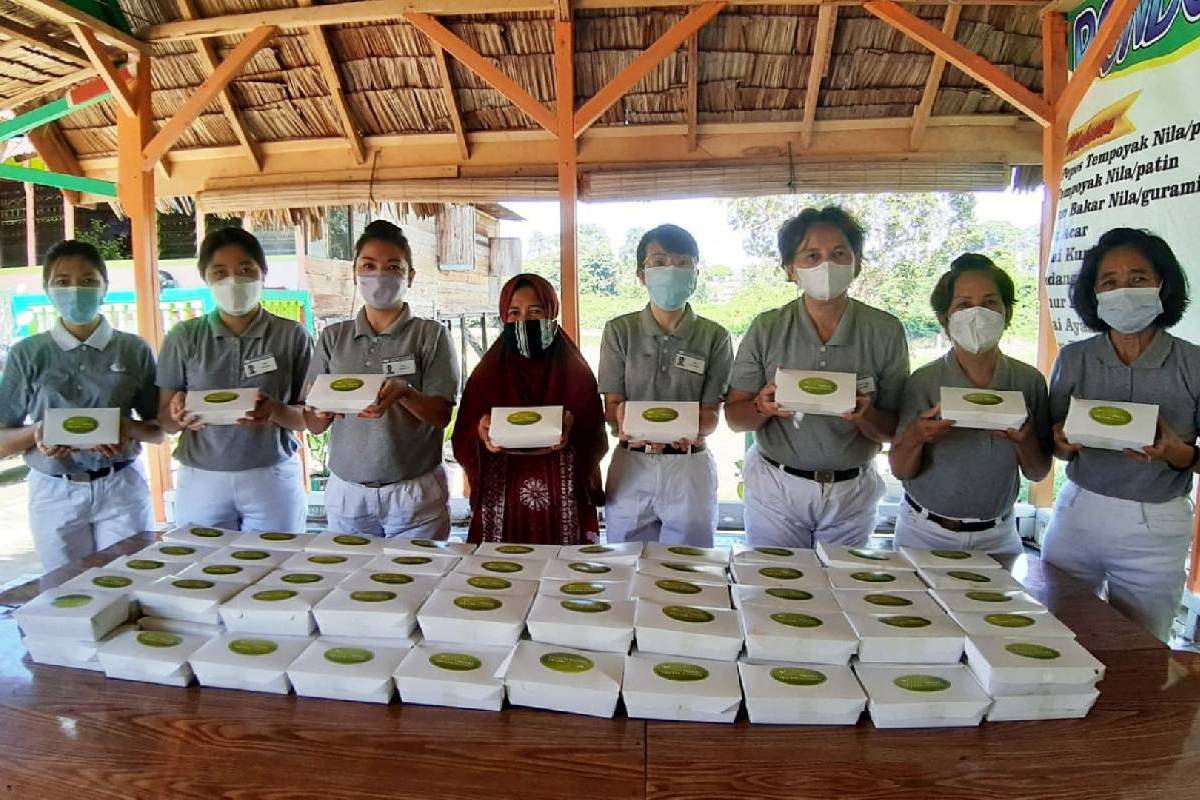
column 706, row 219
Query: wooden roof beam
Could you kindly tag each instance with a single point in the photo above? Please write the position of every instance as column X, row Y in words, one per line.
column 68, row 15
column 1098, row 49
column 50, row 87
column 821, row 51
column 157, row 147
column 54, row 150
column 105, row 67
column 625, row 80
column 451, row 101
column 333, row 84
column 979, row 68
column 24, row 36
column 934, row 82
column 444, row 38
column 693, row 92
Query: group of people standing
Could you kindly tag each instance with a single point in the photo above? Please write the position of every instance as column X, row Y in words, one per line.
column 1122, row 522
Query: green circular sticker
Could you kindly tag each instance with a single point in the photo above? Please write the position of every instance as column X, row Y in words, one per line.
column 207, row 533
column 302, row 577
column 1009, row 620
column 425, row 543
column 970, row 577
column 502, row 566
column 112, row 581
column 176, row 550
column 253, row 647
column 412, row 560
column 589, row 567
column 887, row 600
column 680, row 671
column 922, row 683
column 818, row 386
column 953, row 555
column 579, row 588
column 159, row 639
column 688, row 614
column 327, row 559
column 394, row 578
column 514, row 549
column 469, row 602
column 488, row 583
column 80, row 424
column 593, row 549
column 988, row 597
column 220, row 397
column 784, row 593
column 372, row 596
column 566, row 662
column 144, row 563
column 273, row 595
column 277, row 537
column 1110, row 415
column 678, row 567
column 983, row 398
column 346, row 384
column 524, row 418
column 250, row 555
column 455, row 662
column 71, row 600
column 873, row 577
column 191, row 584
column 677, row 587
column 869, row 555
column 586, row 606
column 682, row 550
column 348, row 655
column 781, row 573
column 221, row 569
column 799, row 676
column 906, row 622
column 782, row 552
column 351, row 540
column 797, row 620
column 1031, row 650
column 660, row 415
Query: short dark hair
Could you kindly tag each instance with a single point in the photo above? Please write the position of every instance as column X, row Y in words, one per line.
column 943, row 291
column 1174, row 289
column 381, row 230
column 671, row 238
column 68, row 248
column 795, row 229
column 222, row 237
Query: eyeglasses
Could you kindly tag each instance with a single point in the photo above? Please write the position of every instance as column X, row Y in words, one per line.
column 665, row 260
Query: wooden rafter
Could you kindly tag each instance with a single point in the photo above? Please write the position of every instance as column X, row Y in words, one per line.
column 451, row 101
column 1098, row 49
column 822, row 49
column 562, row 10
column 319, row 41
column 693, row 92
column 104, row 66
column 205, row 94
column 640, row 67
column 50, row 87
column 979, row 68
column 58, row 155
column 444, row 38
column 32, row 37
column 934, row 82
column 66, row 14
column 568, row 175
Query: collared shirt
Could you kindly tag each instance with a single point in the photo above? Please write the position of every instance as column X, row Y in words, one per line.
column 399, row 446
column 202, row 353
column 110, row 369
column 969, row 473
column 1167, row 375
column 641, row 361
column 867, row 342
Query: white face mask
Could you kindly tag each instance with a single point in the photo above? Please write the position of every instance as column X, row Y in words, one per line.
column 976, row 329
column 236, row 296
column 1129, row 310
column 825, row 281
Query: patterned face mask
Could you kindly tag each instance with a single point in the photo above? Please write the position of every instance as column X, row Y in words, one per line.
column 531, row 338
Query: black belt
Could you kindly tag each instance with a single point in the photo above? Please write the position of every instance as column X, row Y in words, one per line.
column 663, row 449
column 90, row 475
column 818, row 475
column 952, row 524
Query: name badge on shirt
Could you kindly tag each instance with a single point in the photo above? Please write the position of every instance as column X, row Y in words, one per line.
column 689, row 363
column 865, row 385
column 259, row 366
column 405, row 365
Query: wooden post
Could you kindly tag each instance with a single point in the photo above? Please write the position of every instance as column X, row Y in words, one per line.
column 31, row 259
column 568, row 175
column 300, row 238
column 68, row 219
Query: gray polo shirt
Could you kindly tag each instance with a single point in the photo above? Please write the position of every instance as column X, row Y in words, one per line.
column 867, row 342
column 399, row 446
column 204, row 354
column 111, row 369
column 970, row 474
column 642, row 362
column 1167, row 374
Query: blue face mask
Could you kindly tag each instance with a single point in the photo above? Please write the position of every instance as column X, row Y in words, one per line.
column 670, row 287
column 78, row 305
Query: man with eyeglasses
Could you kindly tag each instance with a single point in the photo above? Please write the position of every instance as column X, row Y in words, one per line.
column 664, row 353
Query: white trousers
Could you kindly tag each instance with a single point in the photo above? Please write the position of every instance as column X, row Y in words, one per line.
column 659, row 498
column 71, row 520
column 419, row 508
column 262, row 499
column 789, row 511
column 914, row 529
column 1137, row 549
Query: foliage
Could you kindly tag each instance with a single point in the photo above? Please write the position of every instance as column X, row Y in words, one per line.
column 112, row 244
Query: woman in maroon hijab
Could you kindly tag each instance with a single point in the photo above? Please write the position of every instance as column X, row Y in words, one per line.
column 546, row 496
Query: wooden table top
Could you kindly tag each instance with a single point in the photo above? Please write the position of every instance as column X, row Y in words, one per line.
column 76, row 734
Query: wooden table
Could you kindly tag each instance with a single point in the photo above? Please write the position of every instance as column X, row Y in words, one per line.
column 75, row 734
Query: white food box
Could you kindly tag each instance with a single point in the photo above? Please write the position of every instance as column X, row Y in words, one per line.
column 817, row 637
column 801, row 694
column 711, row 574
column 144, row 567
column 577, row 589
column 519, row 569
column 271, row 610
column 526, row 427
column 686, row 554
column 875, row 579
column 986, row 601
column 340, row 671
column 588, row 571
column 589, row 624
column 108, row 581
column 415, row 588
column 81, row 428
column 813, row 392
column 685, row 689
column 324, row 562
column 250, row 556
column 1042, row 706
column 432, row 564
column 882, row 603
column 273, row 540
column 58, row 651
column 201, row 536
column 150, row 656
column 783, row 598
column 248, row 662
column 949, row 558
column 345, row 544
column 220, row 406
column 344, row 394
column 244, row 574
column 1021, row 667
column 908, row 638
column 177, row 553
column 1110, row 425
column 73, row 614
column 514, row 550
column 456, row 675
column 922, row 695
column 798, row 577
column 689, row 631
column 992, row 580
column 1011, row 625
column 380, row 613
column 799, row 558
column 983, row 409
column 842, row 557
column 309, row 578
column 487, row 584
column 626, row 553
column 186, row 599
column 401, row 544
column 478, row 618
column 669, row 591
column 561, row 679
column 207, row 630
column 661, row 422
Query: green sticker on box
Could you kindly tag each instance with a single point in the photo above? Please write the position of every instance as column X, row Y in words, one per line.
column 144, row 563
column 774, row 551
column 373, row 596
column 953, row 555
column 220, row 397
column 80, row 425
column 1110, row 415
column 221, row 569
column 346, row 384
column 688, row 614
column 524, row 418
column 677, row 587
column 586, row 606
column 680, row 671
column 678, row 567
column 350, row 540
column 594, row 549
column 71, row 601
column 817, row 386
column 566, row 662
column 869, row 555
column 1031, row 650
column 514, row 549
column 873, row 577
column 683, row 550
column 784, row 593
column 970, row 577
column 455, row 662
column 274, row 595
column 253, row 647
column 922, row 683
column 887, row 600
column 207, row 533
column 502, row 566
column 781, row 573
column 469, row 602
column 250, row 555
column 191, row 584
column 798, row 676
column 176, row 550
column 327, row 559
column 589, row 567
column 797, row 620
column 658, row 414
column 424, row 543
column 277, row 537
column 906, row 622
column 159, row 639
column 394, row 578
column 348, row 655
column 302, row 577
column 112, row 581
column 1009, row 620
column 412, row 560
column 983, row 398
column 988, row 597
column 579, row 588
column 489, row 583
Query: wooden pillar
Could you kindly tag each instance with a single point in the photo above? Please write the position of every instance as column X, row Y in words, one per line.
column 199, row 215
column 568, row 175
column 31, row 259
column 68, row 219
column 300, row 238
